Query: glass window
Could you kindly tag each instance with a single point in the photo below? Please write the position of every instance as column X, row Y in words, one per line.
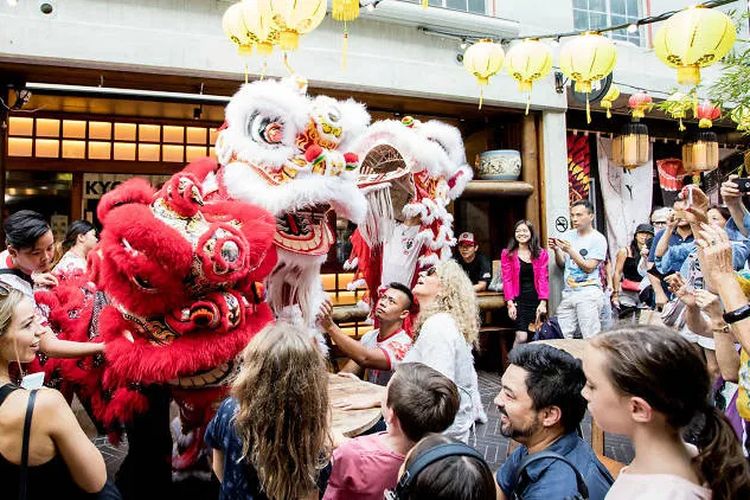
column 475, row 6
column 593, row 14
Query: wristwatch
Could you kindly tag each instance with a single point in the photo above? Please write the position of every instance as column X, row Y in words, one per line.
column 737, row 315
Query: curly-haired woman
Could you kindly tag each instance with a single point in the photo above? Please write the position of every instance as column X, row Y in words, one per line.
column 271, row 438
column 447, row 327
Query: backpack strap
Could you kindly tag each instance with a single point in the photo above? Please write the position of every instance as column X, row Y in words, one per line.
column 23, row 479
column 523, row 479
column 5, row 391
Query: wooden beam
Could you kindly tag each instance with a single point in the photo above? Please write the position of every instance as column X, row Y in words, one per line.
column 481, row 189
column 530, row 167
column 76, row 196
column 95, row 166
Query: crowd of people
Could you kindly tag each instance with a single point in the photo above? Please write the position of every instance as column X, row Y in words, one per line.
column 671, row 375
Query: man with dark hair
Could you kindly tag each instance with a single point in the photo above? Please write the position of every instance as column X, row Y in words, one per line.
column 541, row 407
column 580, row 256
column 419, row 400
column 380, row 350
column 26, row 263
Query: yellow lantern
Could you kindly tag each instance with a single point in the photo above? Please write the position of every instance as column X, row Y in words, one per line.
column 609, row 99
column 630, row 149
column 528, row 61
column 294, row 18
column 586, row 59
column 484, row 60
column 345, row 10
column 692, row 39
column 701, row 153
column 257, row 18
column 233, row 24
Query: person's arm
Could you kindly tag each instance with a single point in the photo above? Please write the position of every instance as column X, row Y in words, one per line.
column 352, row 367
column 663, row 243
column 84, row 461
column 217, row 463
column 57, row 348
column 559, row 253
column 586, row 265
column 365, row 357
column 542, row 280
column 485, row 274
column 727, row 356
column 732, row 197
column 660, row 296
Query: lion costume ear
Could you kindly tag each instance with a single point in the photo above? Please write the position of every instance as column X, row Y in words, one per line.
column 135, row 190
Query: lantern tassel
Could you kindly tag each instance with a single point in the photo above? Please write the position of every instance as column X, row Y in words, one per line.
column 588, row 109
column 264, row 69
column 344, row 47
column 481, row 96
column 287, row 65
column 682, row 126
column 247, row 72
column 528, row 102
column 425, row 4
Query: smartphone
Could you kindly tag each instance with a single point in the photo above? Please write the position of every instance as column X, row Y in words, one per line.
column 743, row 184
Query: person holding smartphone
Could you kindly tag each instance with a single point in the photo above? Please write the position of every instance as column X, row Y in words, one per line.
column 627, row 278
column 732, row 195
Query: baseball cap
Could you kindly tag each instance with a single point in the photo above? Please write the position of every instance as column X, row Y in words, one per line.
column 645, row 228
column 466, row 239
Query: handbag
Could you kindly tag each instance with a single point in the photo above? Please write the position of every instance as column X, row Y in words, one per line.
column 523, row 479
column 630, row 285
column 546, row 328
column 673, row 314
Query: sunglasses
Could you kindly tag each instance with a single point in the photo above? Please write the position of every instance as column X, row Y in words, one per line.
column 430, row 271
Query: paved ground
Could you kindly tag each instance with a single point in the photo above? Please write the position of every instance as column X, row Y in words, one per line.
column 493, row 446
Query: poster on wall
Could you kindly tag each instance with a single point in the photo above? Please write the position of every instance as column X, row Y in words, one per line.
column 97, row 185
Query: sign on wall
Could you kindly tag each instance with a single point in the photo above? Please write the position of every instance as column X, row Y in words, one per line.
column 97, row 185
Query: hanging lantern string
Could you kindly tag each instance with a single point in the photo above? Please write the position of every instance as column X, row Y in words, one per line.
column 567, row 34
column 344, row 46
column 287, row 65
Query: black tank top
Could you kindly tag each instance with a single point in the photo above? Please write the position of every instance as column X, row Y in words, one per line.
column 47, row 481
column 630, row 269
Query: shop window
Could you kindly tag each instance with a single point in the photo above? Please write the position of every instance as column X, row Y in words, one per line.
column 74, row 149
column 148, row 152
column 100, row 150
column 100, row 131
column 592, row 14
column 18, row 146
column 149, row 133
column 21, row 126
column 46, row 127
column 194, row 152
column 124, row 151
column 47, row 148
column 125, row 131
column 173, row 134
column 48, row 193
column 195, row 135
column 172, row 153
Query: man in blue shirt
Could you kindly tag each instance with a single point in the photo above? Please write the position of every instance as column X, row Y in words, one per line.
column 541, row 407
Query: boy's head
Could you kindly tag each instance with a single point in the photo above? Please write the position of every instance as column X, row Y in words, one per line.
column 420, row 400
column 30, row 242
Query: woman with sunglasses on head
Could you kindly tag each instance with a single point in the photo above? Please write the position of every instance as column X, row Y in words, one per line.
column 525, row 279
column 61, row 461
column 446, row 329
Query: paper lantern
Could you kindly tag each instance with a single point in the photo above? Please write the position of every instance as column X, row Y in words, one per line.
column 701, row 153
column 484, row 60
column 233, row 24
column 585, row 59
column 706, row 112
column 294, row 18
column 640, row 103
column 741, row 116
column 609, row 99
column 692, row 39
column 630, row 149
column 677, row 106
column 528, row 61
column 257, row 17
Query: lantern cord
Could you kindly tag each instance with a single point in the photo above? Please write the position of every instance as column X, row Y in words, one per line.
column 247, row 72
column 481, row 96
column 264, row 69
column 344, row 47
column 528, row 102
column 599, row 29
column 588, row 109
column 682, row 126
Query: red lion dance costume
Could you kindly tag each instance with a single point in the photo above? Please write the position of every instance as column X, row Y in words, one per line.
column 172, row 293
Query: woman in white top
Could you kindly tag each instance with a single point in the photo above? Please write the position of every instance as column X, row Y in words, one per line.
column 648, row 383
column 446, row 329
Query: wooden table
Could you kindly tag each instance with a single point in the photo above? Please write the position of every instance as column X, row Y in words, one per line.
column 352, row 423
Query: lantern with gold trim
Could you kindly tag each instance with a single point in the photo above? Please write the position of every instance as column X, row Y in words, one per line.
column 484, row 60
column 692, row 39
column 585, row 59
column 345, row 11
column 701, row 152
column 640, row 103
column 741, row 116
column 233, row 24
column 293, row 18
column 706, row 113
column 528, row 61
column 677, row 106
column 630, row 149
column 609, row 99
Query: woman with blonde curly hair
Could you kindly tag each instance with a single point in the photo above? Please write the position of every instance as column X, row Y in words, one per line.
column 271, row 437
column 447, row 327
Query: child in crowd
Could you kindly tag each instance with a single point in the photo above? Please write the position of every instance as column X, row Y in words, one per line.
column 418, row 400
column 442, row 468
column 649, row 383
column 271, row 438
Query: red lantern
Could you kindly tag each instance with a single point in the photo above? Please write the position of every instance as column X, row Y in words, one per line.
column 640, row 103
column 707, row 112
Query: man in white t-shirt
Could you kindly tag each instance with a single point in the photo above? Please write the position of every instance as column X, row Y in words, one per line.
column 381, row 350
column 580, row 256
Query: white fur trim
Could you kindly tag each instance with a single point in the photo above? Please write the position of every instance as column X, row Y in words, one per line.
column 461, row 181
column 428, row 260
column 352, row 264
column 356, row 285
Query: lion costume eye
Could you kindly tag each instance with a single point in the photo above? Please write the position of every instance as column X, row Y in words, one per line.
column 265, row 129
column 143, row 283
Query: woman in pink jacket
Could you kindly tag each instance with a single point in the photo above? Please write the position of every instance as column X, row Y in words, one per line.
column 525, row 279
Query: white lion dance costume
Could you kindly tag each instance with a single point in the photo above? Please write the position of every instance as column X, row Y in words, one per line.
column 410, row 172
column 289, row 153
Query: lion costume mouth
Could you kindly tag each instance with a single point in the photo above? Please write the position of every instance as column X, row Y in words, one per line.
column 305, row 231
column 207, row 378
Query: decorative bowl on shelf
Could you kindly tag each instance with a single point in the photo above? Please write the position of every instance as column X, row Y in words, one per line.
column 499, row 165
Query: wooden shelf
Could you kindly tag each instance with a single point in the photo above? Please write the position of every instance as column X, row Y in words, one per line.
column 479, row 189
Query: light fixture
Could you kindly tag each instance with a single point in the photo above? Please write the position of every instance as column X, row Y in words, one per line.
column 630, row 148
column 632, row 28
column 464, row 45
